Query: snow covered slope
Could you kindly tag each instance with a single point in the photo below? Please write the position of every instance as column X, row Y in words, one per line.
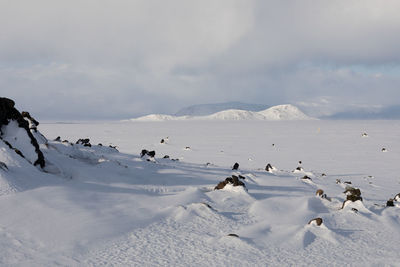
column 281, row 112
column 284, row 112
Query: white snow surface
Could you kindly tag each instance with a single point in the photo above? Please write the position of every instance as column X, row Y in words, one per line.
column 276, row 113
column 95, row 206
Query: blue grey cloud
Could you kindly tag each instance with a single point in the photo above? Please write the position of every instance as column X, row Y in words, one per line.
column 117, row 59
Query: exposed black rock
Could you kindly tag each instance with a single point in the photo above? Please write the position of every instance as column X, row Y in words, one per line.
column 241, row 177
column 269, row 167
column 352, row 191
column 305, row 177
column 354, row 209
column 234, row 180
column 33, row 123
column 397, row 197
column 145, row 152
column 7, row 113
column 58, row 139
column 233, row 235
column 235, row 166
column 318, row 221
column 319, row 192
column 300, row 169
column 84, row 142
column 3, row 166
column 390, row 203
column 162, row 141
column 166, row 157
column 353, row 194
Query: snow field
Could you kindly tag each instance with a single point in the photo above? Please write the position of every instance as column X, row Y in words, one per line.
column 97, row 206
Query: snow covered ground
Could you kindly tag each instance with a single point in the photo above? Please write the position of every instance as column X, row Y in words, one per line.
column 96, row 206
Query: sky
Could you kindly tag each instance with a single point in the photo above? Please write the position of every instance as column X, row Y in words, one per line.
column 111, row 59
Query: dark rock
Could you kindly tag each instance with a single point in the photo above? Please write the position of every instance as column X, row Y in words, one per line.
column 305, row 177
column 300, row 162
column 353, row 198
column 162, row 141
column 9, row 112
column 347, row 182
column 318, row 221
column 234, row 180
column 235, row 166
column 397, row 197
column 143, row 153
column 242, row 177
column 269, row 167
column 58, row 139
column 166, row 157
column 113, row 147
column 384, row 150
column 300, row 169
column 233, row 235
column 3, row 166
column 323, row 175
column 390, row 203
column 354, row 209
column 100, row 144
column 319, row 192
column 352, row 191
column 34, row 123
column 338, row 181
column 84, row 142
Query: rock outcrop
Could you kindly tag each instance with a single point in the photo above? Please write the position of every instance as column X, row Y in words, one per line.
column 15, row 130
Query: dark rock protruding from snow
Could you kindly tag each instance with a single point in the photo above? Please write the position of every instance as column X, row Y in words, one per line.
column 145, row 152
column 318, row 221
column 234, row 180
column 9, row 113
column 235, row 166
column 353, row 195
column 84, row 142
column 397, row 197
column 390, row 203
column 33, row 124
column 269, row 167
column 3, row 166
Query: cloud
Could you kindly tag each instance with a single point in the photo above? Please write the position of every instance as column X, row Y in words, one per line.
column 112, row 59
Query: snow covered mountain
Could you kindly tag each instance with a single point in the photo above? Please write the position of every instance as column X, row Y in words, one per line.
column 276, row 113
column 209, row 109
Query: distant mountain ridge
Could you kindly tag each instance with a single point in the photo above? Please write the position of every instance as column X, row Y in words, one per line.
column 275, row 113
column 384, row 113
column 208, row 109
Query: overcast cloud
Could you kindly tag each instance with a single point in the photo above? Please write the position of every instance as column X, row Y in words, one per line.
column 118, row 58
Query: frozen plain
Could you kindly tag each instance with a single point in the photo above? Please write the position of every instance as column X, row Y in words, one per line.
column 116, row 209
